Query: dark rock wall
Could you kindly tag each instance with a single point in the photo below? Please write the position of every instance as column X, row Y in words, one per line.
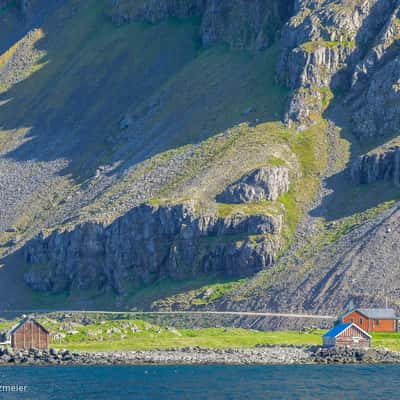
column 240, row 23
column 148, row 244
column 375, row 167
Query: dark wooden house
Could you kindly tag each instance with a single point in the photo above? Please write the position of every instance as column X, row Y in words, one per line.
column 347, row 335
column 29, row 334
column 373, row 319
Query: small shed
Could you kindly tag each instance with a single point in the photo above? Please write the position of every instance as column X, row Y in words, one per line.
column 347, row 335
column 29, row 334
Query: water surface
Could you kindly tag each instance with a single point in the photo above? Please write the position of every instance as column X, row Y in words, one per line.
column 204, row 382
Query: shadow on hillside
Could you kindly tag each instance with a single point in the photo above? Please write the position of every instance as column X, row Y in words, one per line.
column 95, row 76
column 346, row 197
column 102, row 297
column 14, row 25
column 105, row 94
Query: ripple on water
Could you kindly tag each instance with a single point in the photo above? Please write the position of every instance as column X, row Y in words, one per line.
column 204, row 382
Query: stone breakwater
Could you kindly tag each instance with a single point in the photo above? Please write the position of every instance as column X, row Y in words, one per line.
column 258, row 355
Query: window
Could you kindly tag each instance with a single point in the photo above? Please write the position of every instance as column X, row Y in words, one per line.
column 376, row 322
column 361, row 321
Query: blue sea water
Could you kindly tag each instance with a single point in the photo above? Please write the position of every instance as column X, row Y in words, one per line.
column 204, row 382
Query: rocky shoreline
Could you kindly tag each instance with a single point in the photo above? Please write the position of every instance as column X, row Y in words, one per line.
column 272, row 355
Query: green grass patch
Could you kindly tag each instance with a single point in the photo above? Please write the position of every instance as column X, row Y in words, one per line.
column 276, row 162
column 327, row 96
column 309, row 47
column 390, row 341
column 310, row 148
column 343, row 226
column 262, row 207
column 139, row 335
column 183, row 291
column 133, row 334
column 151, row 336
column 6, row 325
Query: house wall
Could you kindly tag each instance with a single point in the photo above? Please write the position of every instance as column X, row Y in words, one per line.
column 28, row 336
column 370, row 325
column 354, row 342
column 351, row 337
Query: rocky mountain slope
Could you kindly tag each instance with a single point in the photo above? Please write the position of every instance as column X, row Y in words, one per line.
column 199, row 141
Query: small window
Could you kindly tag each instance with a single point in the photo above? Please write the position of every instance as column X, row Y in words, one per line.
column 361, row 321
column 376, row 322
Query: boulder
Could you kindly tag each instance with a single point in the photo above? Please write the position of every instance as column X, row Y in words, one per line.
column 267, row 183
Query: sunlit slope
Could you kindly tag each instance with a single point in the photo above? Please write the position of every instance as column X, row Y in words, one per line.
column 98, row 105
column 96, row 119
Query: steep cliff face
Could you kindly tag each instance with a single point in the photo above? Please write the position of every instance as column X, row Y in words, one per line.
column 240, row 23
column 324, row 42
column 377, row 166
column 377, row 109
column 149, row 244
column 375, row 91
column 197, row 129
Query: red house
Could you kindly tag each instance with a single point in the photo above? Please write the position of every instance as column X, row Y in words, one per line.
column 373, row 319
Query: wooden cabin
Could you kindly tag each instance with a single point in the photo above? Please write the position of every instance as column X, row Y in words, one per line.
column 347, row 335
column 373, row 319
column 29, row 334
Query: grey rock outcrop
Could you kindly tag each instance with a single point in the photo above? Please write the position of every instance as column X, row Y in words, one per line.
column 375, row 92
column 323, row 43
column 151, row 243
column 378, row 166
column 377, row 109
column 266, row 183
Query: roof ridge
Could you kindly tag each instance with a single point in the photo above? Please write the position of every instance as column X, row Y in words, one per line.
column 23, row 321
column 338, row 329
column 374, row 313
